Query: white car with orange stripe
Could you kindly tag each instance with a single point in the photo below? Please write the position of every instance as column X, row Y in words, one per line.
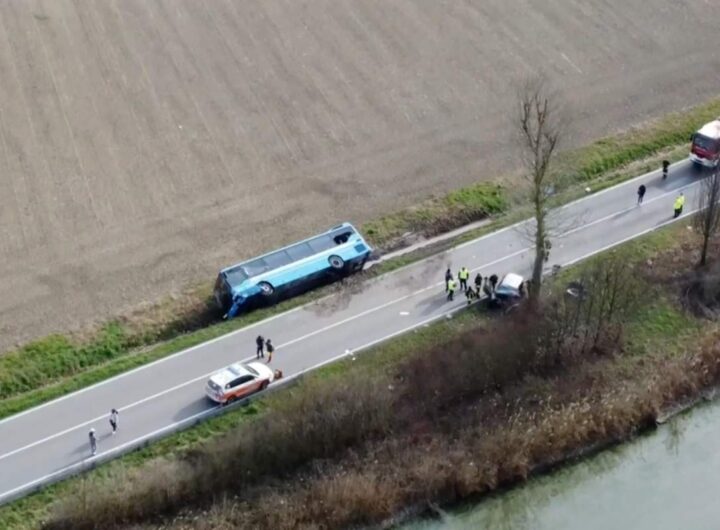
column 238, row 381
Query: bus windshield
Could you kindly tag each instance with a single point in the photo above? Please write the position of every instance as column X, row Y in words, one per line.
column 235, row 276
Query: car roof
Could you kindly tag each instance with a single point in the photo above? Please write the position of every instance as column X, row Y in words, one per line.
column 229, row 373
column 512, row 280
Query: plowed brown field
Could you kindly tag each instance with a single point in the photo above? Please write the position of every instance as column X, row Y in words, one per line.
column 144, row 144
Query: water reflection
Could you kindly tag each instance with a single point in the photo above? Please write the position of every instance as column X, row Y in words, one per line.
column 666, row 479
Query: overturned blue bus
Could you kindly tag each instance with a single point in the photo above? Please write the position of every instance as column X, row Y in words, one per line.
column 291, row 270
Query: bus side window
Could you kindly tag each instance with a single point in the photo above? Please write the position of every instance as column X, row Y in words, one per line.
column 300, row 251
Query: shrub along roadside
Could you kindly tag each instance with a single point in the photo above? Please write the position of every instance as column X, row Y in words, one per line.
column 478, row 458
column 59, row 365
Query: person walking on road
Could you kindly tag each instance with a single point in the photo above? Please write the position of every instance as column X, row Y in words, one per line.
column 450, row 287
column 464, row 276
column 260, row 343
column 93, row 442
column 641, row 193
column 679, row 203
column 448, row 277
column 114, row 420
column 665, row 166
column 270, row 349
column 478, row 284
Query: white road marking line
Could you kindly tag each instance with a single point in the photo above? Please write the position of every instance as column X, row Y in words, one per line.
column 627, row 183
column 571, row 63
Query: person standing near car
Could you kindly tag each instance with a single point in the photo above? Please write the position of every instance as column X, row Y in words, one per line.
column 270, row 349
column 114, row 420
column 260, row 343
column 463, row 276
column 493, row 282
column 478, row 284
column 469, row 294
column 451, row 286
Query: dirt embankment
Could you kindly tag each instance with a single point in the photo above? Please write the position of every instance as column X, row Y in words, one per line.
column 146, row 144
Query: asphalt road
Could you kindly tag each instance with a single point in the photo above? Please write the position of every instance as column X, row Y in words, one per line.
column 50, row 441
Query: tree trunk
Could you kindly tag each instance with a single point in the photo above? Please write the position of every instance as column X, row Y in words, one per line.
column 540, row 250
column 703, row 253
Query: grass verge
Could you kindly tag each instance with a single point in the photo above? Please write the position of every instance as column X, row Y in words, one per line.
column 57, row 365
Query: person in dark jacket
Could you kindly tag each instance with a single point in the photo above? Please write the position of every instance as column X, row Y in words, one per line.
column 260, row 344
column 448, row 277
column 493, row 282
column 270, row 349
column 478, row 284
column 641, row 193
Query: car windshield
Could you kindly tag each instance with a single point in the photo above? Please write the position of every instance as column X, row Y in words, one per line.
column 252, row 370
column 705, row 143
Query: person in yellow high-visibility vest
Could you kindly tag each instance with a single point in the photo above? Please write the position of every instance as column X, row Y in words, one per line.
column 463, row 276
column 451, row 286
column 679, row 203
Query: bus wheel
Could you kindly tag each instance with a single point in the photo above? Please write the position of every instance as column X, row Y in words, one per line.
column 266, row 289
column 336, row 262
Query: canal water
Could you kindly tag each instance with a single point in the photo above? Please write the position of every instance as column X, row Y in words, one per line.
column 668, row 479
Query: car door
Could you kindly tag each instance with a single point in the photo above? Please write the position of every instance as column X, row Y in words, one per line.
column 241, row 386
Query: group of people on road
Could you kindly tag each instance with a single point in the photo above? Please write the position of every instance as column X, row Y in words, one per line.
column 113, row 425
column 679, row 200
column 472, row 292
column 677, row 205
column 263, row 345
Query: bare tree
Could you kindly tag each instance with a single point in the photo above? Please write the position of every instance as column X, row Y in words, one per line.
column 540, row 126
column 589, row 315
column 707, row 220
